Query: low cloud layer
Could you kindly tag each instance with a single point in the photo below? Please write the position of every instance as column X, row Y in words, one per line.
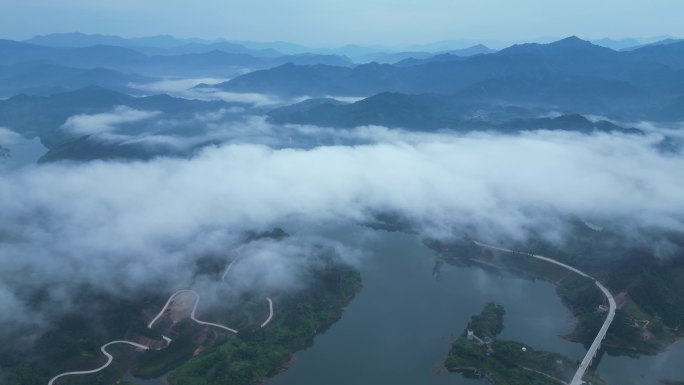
column 124, row 226
column 174, row 86
column 84, row 124
column 185, row 88
column 8, row 137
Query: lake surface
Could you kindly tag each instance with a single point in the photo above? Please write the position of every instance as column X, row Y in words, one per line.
column 645, row 370
column 399, row 327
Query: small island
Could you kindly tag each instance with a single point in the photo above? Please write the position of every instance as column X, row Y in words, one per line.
column 478, row 353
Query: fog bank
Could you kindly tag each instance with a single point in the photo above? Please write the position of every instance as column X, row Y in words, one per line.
column 121, row 226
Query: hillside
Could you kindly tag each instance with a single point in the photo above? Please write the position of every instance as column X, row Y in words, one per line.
column 96, row 123
column 428, row 112
column 571, row 74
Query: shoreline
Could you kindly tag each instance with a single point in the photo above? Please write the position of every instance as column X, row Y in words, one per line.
column 569, row 337
column 472, row 370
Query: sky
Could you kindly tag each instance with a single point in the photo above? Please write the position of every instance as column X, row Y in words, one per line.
column 334, row 22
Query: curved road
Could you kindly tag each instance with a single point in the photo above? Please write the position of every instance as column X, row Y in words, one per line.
column 167, row 339
column 192, row 314
column 230, row 266
column 270, row 302
column 109, row 360
column 270, row 312
column 593, row 349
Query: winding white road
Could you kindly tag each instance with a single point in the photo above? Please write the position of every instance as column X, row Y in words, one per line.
column 270, row 302
column 230, row 266
column 109, row 360
column 270, row 312
column 167, row 339
column 192, row 314
column 596, row 345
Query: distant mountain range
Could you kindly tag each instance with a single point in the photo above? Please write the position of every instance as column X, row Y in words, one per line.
column 45, row 116
column 44, row 79
column 568, row 75
column 429, row 112
column 632, row 44
column 155, row 45
column 412, row 58
column 618, row 44
column 169, row 45
column 212, row 61
column 554, row 86
column 445, row 56
column 80, row 40
column 158, row 44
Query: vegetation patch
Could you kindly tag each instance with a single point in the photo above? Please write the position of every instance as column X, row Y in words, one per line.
column 649, row 290
column 478, row 353
column 251, row 356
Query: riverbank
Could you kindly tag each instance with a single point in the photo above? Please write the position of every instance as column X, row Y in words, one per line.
column 634, row 331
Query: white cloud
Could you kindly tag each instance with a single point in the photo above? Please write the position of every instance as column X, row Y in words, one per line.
column 8, row 136
column 484, row 178
column 346, row 99
column 84, row 124
column 185, row 88
column 99, row 222
column 213, row 116
column 175, row 86
column 201, row 129
column 255, row 99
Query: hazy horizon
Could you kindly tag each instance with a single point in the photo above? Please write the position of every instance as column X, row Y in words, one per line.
column 326, row 24
column 465, row 41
